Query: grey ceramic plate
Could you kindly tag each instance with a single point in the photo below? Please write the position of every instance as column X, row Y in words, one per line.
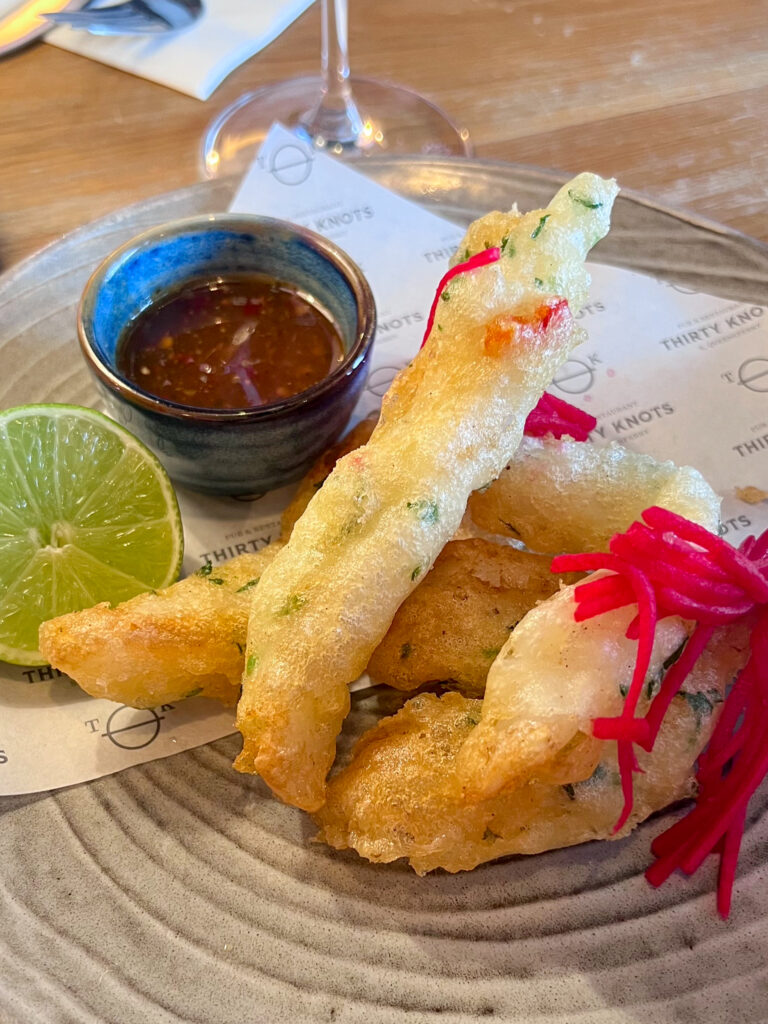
column 180, row 891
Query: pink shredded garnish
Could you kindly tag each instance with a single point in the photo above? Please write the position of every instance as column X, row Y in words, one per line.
column 668, row 565
column 554, row 416
column 480, row 259
column 551, row 415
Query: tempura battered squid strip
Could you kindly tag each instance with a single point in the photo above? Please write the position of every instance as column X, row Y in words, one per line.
column 564, row 495
column 187, row 640
column 674, row 567
column 397, row 796
column 556, row 674
column 553, row 677
column 450, row 422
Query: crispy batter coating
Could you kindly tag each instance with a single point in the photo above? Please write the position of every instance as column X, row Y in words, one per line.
column 552, row 677
column 566, row 495
column 317, row 475
column 398, row 796
column 450, row 422
column 186, row 640
column 189, row 639
column 455, row 623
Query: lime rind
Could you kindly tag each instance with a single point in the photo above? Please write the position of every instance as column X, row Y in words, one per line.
column 87, row 514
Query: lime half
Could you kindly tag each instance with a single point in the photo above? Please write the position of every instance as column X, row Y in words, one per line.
column 87, row 514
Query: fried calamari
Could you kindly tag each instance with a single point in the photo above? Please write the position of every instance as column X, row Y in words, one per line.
column 454, row 624
column 552, row 678
column 554, row 675
column 187, row 640
column 399, row 797
column 450, row 422
column 565, row 495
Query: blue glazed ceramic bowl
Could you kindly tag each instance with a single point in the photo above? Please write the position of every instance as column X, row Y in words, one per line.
column 220, row 451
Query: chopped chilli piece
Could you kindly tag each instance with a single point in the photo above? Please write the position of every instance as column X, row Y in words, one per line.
column 508, row 329
column 668, row 565
column 552, row 415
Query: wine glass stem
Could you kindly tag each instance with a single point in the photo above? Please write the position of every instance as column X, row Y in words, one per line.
column 335, row 118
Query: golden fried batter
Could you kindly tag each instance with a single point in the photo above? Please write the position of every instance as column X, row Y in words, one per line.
column 189, row 639
column 398, row 796
column 551, row 678
column 454, row 624
column 186, row 640
column 450, row 422
column 554, row 675
column 316, row 477
column 566, row 495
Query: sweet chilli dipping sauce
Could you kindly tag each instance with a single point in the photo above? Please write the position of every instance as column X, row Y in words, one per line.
column 231, row 343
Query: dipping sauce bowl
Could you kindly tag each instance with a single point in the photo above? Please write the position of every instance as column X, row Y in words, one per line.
column 229, row 451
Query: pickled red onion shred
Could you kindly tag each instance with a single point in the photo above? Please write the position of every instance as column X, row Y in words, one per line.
column 554, row 416
column 480, row 259
column 667, row 565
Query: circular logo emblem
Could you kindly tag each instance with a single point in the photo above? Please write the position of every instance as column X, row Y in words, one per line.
column 290, row 165
column 132, row 729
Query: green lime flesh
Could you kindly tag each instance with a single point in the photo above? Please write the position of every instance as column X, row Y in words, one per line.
column 87, row 514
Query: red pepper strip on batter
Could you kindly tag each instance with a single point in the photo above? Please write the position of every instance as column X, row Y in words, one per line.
column 480, row 259
column 509, row 329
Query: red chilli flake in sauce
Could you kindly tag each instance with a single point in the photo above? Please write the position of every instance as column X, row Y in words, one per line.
column 551, row 415
column 668, row 565
column 232, row 343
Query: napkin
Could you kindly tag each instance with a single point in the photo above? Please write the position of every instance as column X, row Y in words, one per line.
column 198, row 59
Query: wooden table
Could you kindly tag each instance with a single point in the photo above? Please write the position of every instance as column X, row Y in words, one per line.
column 671, row 98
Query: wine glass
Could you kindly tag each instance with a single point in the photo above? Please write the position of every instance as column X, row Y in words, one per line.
column 352, row 118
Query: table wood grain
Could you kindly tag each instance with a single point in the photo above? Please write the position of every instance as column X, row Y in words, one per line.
column 670, row 98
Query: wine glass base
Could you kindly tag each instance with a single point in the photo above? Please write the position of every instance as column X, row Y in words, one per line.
column 395, row 120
